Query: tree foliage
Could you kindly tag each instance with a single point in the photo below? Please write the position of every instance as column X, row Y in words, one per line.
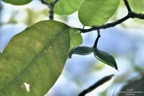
column 37, row 55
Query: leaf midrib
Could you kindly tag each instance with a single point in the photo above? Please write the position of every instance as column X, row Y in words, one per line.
column 93, row 13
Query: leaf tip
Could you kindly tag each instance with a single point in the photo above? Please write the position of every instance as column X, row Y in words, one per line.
column 116, row 67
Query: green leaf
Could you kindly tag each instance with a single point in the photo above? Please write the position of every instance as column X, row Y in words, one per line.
column 81, row 50
column 97, row 12
column 17, row 2
column 105, row 58
column 36, row 57
column 136, row 6
column 75, row 38
column 66, row 7
column 49, row 1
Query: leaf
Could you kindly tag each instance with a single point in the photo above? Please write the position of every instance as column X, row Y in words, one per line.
column 17, row 2
column 81, row 50
column 105, row 58
column 50, row 1
column 97, row 12
column 36, row 57
column 75, row 38
column 136, row 6
column 66, row 7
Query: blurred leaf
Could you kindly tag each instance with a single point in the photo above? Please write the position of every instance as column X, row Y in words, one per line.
column 49, row 1
column 34, row 16
column 66, row 7
column 137, row 6
column 75, row 38
column 104, row 93
column 17, row 2
column 133, row 88
column 81, row 50
column 97, row 12
column 36, row 57
column 98, row 66
column 105, row 58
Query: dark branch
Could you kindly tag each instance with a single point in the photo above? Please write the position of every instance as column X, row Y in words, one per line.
column 136, row 15
column 43, row 2
column 94, row 86
column 55, row 2
column 130, row 14
column 127, row 5
column 51, row 16
column 51, row 7
column 112, row 24
column 107, row 25
column 96, row 41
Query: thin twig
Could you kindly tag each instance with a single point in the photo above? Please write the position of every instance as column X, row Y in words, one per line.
column 51, row 7
column 96, row 41
column 94, row 86
column 44, row 2
column 127, row 5
column 107, row 25
column 112, row 24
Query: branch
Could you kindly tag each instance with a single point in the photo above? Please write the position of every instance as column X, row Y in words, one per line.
column 130, row 14
column 51, row 7
column 127, row 5
column 112, row 24
column 107, row 25
column 96, row 41
column 97, row 84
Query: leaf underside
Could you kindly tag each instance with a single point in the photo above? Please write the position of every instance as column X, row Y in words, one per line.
column 105, row 58
column 81, row 50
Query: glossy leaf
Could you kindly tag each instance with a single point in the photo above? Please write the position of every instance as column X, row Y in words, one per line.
column 35, row 57
column 17, row 2
column 97, row 12
column 66, row 7
column 81, row 50
column 75, row 38
column 105, row 58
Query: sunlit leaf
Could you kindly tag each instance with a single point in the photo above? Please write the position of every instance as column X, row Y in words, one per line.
column 96, row 12
column 66, row 7
column 105, row 58
column 75, row 38
column 81, row 50
column 17, row 2
column 35, row 57
column 136, row 6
